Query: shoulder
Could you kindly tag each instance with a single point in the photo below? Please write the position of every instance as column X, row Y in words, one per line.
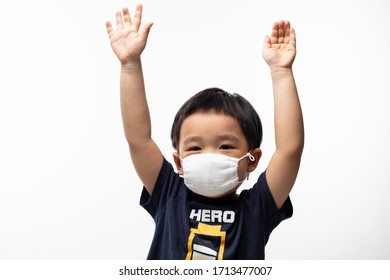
column 262, row 201
column 168, row 185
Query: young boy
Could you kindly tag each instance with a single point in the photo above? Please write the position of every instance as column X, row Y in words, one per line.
column 217, row 136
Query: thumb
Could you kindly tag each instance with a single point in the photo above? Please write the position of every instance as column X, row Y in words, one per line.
column 267, row 42
column 145, row 31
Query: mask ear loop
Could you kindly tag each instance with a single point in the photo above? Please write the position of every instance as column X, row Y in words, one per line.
column 251, row 158
column 249, row 155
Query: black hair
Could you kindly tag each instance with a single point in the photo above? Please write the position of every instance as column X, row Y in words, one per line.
column 233, row 105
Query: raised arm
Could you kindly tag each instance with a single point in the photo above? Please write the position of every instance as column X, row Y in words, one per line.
column 279, row 52
column 128, row 42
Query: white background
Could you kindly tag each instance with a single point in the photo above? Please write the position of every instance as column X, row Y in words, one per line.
column 67, row 186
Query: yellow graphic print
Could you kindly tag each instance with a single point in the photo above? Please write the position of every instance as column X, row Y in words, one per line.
column 206, row 243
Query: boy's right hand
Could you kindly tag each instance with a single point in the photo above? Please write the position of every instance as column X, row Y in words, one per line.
column 127, row 41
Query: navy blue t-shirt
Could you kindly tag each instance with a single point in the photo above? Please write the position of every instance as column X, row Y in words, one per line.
column 190, row 226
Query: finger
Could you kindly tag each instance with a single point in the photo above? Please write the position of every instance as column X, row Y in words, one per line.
column 109, row 28
column 137, row 16
column 126, row 16
column 145, row 31
column 274, row 33
column 287, row 32
column 119, row 22
column 287, row 25
column 281, row 32
column 292, row 40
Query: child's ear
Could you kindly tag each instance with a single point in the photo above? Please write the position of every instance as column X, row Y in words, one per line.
column 256, row 153
column 177, row 161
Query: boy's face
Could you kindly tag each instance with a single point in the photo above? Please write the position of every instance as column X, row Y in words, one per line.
column 217, row 133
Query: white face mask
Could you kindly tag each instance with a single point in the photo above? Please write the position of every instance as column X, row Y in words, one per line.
column 211, row 175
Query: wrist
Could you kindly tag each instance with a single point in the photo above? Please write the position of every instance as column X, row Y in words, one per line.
column 280, row 74
column 131, row 65
column 280, row 70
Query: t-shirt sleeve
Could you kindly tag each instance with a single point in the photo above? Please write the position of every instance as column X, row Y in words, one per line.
column 265, row 205
column 167, row 186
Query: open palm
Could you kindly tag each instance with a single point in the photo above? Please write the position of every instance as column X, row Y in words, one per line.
column 279, row 50
column 128, row 41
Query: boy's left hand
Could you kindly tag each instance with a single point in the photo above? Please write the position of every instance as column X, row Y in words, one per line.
column 128, row 41
column 279, row 50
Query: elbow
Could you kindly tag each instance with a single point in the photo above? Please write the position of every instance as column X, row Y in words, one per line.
column 296, row 145
column 139, row 143
column 294, row 153
column 293, row 150
column 296, row 149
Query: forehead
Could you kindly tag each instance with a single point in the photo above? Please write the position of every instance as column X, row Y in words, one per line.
column 210, row 124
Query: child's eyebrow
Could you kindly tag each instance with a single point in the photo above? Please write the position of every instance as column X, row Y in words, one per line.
column 229, row 136
column 192, row 139
column 222, row 137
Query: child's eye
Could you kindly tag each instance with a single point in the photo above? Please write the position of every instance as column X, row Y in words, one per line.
column 195, row 148
column 226, row 147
